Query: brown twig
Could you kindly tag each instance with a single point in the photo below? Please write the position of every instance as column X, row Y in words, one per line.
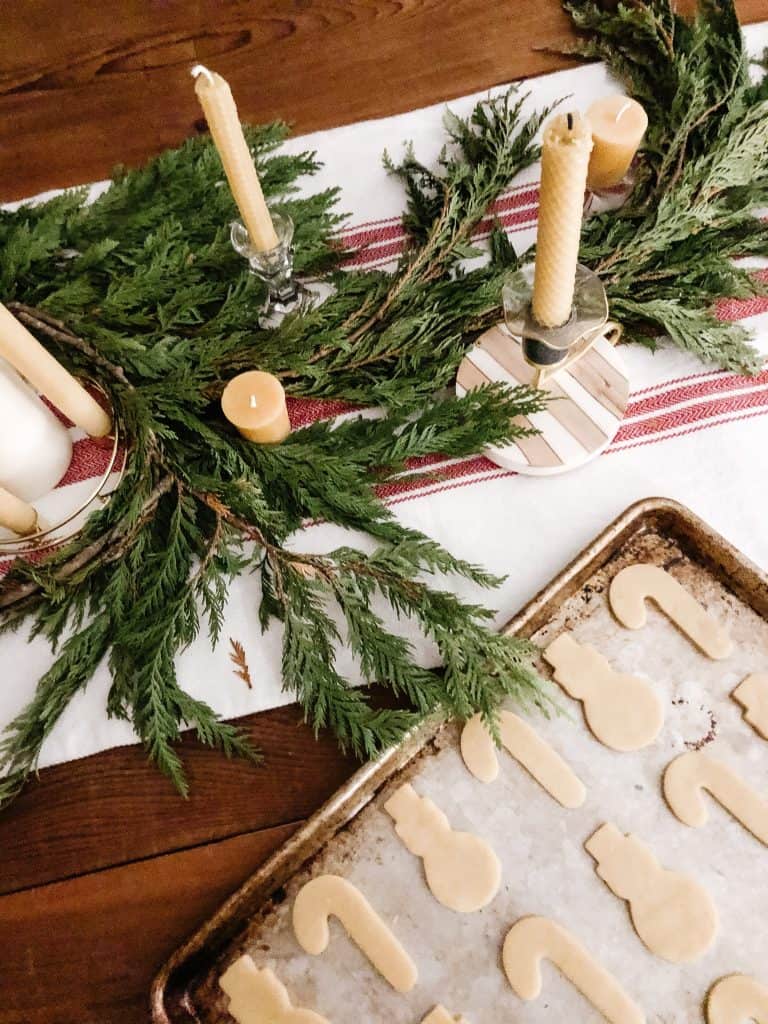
column 121, row 538
column 58, row 331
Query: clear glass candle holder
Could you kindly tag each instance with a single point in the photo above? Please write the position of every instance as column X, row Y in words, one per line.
column 274, row 267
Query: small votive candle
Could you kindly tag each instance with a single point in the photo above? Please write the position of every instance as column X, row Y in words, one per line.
column 254, row 403
column 618, row 126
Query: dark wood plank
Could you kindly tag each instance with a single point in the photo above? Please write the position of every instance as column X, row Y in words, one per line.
column 113, row 808
column 117, row 89
column 82, row 89
column 85, row 951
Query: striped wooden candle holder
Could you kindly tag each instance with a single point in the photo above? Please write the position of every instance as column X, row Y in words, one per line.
column 590, row 396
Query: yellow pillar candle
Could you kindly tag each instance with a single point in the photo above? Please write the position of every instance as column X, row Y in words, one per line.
column 254, row 402
column 564, row 159
column 618, row 126
column 224, row 124
column 16, row 515
column 46, row 375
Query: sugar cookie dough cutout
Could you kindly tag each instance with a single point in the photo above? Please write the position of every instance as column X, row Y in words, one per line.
column 441, row 1016
column 632, row 586
column 622, row 711
column 672, row 914
column 528, row 748
column 462, row 871
column 689, row 774
column 257, row 996
column 533, row 939
column 752, row 695
column 331, row 895
column 737, row 999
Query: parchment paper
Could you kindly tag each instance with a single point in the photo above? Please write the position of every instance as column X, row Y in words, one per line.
column 545, row 867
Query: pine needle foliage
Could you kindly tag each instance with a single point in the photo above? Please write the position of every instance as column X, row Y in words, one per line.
column 667, row 256
column 142, row 291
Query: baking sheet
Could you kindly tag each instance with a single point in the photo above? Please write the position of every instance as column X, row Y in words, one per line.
column 540, row 844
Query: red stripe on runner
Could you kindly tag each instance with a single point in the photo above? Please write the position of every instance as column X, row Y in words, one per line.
column 706, row 425
column 726, row 382
column 691, row 414
column 90, row 459
column 739, row 309
column 359, row 237
column 517, row 221
column 397, row 219
column 302, row 412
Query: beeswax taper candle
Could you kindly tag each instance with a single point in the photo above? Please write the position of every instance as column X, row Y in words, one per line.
column 224, row 124
column 25, row 353
column 565, row 153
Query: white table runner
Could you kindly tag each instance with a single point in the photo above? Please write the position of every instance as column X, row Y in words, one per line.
column 693, row 434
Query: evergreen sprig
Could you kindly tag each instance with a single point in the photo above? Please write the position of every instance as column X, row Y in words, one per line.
column 667, row 256
column 141, row 290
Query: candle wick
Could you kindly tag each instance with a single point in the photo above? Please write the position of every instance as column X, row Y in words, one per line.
column 252, row 402
column 570, row 122
column 624, row 109
column 201, row 69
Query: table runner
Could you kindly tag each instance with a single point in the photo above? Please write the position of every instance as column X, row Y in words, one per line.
column 691, row 433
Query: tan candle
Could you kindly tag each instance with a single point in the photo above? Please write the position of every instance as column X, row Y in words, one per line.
column 254, row 402
column 618, row 126
column 46, row 375
column 564, row 160
column 16, row 515
column 224, row 125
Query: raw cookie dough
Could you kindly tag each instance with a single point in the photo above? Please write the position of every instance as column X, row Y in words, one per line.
column 524, row 744
column 531, row 939
column 737, row 999
column 257, row 996
column 441, row 1016
column 462, row 870
column 673, row 915
column 689, row 773
column 329, row 895
column 622, row 711
column 752, row 694
column 630, row 588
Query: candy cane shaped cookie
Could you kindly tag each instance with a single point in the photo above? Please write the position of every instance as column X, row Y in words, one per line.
column 690, row 773
column 526, row 746
column 331, row 895
column 632, row 586
column 533, row 939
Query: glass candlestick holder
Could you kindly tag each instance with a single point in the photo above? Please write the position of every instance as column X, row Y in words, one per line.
column 274, row 267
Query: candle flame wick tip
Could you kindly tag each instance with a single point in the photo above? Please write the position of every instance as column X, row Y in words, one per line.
column 201, row 69
column 624, row 108
column 570, row 122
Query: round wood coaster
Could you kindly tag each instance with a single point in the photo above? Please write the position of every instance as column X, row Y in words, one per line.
column 591, row 397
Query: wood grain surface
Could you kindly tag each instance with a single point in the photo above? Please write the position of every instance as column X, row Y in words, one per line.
column 103, row 869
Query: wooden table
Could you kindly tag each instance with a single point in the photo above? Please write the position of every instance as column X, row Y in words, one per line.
column 103, row 868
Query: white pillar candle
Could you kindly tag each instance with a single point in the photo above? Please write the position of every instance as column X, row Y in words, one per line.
column 224, row 125
column 37, row 365
column 618, row 126
column 564, row 159
column 35, row 448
